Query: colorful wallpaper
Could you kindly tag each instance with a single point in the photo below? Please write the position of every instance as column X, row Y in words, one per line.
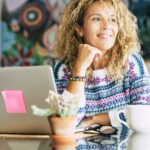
column 29, row 29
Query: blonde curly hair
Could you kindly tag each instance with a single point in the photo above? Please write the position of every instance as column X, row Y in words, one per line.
column 126, row 42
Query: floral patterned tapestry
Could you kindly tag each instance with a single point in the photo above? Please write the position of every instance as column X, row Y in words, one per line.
column 29, row 29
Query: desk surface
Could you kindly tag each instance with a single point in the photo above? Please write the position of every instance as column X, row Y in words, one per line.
column 44, row 142
column 124, row 139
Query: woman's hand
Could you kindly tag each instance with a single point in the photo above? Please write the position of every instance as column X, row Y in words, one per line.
column 86, row 122
column 86, row 55
column 102, row 119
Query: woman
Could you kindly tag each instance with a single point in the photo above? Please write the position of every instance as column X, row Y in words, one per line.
column 98, row 52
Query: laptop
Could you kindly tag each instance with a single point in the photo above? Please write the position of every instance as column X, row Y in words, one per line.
column 21, row 87
column 25, row 144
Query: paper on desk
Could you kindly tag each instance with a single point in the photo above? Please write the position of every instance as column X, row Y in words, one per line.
column 14, row 101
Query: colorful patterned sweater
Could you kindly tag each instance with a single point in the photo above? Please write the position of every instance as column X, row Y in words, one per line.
column 102, row 94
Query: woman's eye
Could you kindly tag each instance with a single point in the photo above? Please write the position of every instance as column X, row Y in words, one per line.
column 114, row 20
column 96, row 19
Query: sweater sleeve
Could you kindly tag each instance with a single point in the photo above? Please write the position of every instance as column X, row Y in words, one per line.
column 139, row 79
column 61, row 73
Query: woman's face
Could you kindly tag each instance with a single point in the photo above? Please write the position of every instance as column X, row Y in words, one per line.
column 100, row 26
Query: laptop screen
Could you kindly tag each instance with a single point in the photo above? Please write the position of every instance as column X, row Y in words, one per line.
column 21, row 87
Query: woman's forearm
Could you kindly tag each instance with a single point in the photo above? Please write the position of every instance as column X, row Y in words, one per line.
column 76, row 87
column 102, row 119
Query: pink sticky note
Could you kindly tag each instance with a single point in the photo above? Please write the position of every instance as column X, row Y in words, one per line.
column 14, row 101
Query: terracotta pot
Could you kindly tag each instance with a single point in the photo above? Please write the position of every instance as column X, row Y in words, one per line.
column 62, row 125
column 61, row 142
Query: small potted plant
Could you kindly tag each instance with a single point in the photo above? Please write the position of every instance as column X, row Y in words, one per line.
column 61, row 113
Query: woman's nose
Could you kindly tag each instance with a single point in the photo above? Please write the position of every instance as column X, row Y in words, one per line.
column 105, row 24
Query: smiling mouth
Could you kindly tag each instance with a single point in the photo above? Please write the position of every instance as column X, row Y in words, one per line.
column 104, row 36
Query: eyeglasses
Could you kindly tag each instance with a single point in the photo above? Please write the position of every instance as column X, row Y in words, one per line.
column 100, row 129
column 99, row 141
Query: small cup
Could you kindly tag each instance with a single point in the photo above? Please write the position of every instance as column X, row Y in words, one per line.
column 137, row 117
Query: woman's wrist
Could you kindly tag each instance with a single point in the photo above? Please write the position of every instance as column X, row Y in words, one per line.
column 77, row 78
column 78, row 71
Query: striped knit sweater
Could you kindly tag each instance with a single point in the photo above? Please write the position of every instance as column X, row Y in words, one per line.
column 102, row 94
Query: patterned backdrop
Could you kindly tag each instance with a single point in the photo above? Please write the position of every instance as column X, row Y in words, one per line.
column 29, row 29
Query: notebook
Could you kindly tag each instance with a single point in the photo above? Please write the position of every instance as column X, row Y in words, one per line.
column 21, row 87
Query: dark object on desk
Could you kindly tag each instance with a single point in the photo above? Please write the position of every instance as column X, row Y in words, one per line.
column 100, row 129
